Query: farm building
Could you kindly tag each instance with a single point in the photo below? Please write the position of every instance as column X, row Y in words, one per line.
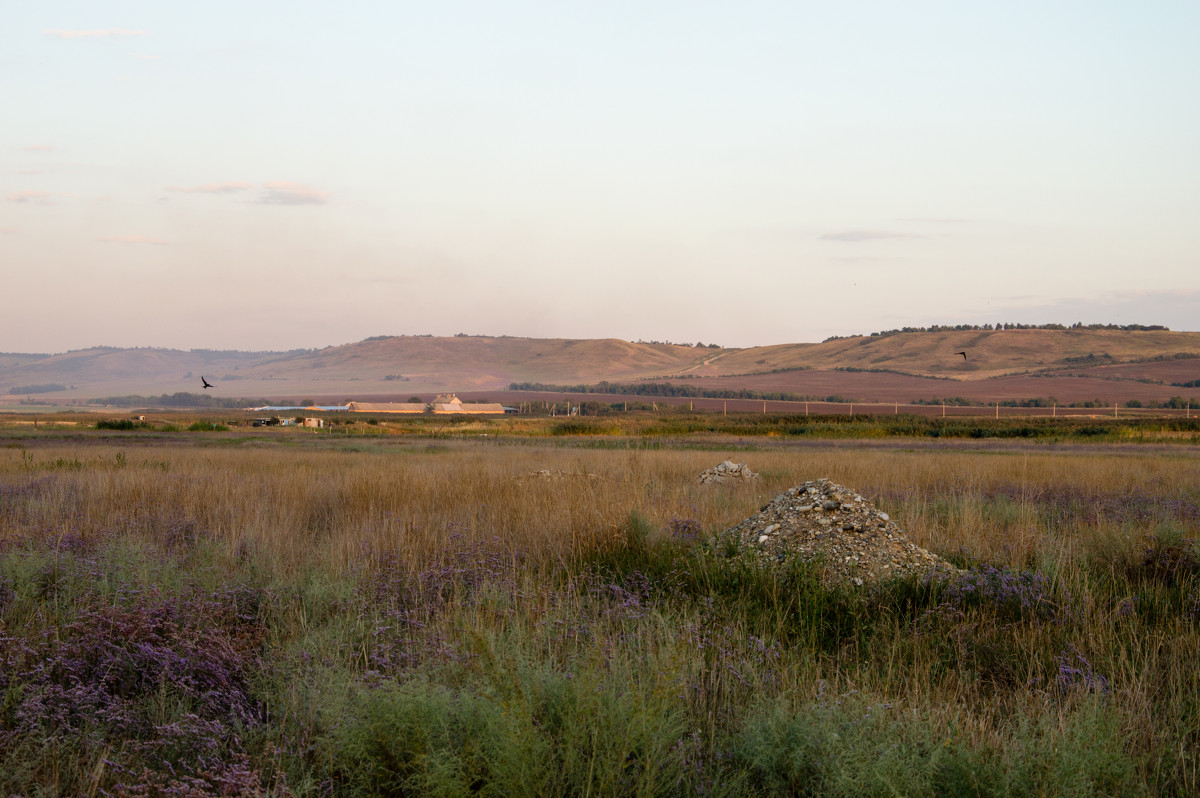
column 285, row 408
column 449, row 403
column 444, row 404
column 412, row 408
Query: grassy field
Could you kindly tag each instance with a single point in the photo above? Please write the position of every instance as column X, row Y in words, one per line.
column 428, row 613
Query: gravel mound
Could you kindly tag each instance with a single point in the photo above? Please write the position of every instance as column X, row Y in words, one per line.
column 727, row 471
column 854, row 542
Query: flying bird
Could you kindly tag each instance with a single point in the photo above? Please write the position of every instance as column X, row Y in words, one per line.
column 207, row 384
column 964, row 354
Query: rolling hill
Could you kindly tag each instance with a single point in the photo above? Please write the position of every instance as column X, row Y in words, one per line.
column 1114, row 365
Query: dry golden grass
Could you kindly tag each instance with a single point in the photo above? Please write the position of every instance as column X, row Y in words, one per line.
column 320, row 502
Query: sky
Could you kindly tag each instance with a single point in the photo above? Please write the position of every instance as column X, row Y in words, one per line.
column 274, row 175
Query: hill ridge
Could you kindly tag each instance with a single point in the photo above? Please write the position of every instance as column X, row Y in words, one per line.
column 416, row 364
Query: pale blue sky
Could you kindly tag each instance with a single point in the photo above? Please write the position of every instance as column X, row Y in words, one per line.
column 278, row 175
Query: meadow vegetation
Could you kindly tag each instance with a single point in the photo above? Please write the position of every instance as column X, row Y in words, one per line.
column 215, row 613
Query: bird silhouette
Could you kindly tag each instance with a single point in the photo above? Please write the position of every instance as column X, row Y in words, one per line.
column 964, row 354
column 207, row 384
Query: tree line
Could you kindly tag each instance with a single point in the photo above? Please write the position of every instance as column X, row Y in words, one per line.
column 1006, row 326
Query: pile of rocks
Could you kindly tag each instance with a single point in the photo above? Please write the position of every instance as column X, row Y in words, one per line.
column 853, row 541
column 727, row 471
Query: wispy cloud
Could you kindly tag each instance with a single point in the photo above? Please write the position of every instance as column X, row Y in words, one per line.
column 144, row 56
column 109, row 33
column 32, row 197
column 211, row 188
column 858, row 236
column 7, row 230
column 277, row 192
column 281, row 192
column 38, row 148
column 131, row 240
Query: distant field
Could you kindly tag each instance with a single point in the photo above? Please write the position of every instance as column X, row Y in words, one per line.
column 888, row 387
column 872, row 398
column 1169, row 371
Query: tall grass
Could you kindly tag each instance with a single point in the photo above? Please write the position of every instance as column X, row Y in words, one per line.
column 440, row 618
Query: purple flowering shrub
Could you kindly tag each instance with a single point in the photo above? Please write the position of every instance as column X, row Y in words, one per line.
column 981, row 611
column 166, row 680
column 685, row 530
column 1075, row 673
column 1011, row 595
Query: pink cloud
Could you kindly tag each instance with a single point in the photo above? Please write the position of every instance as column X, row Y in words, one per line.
column 210, row 188
column 110, row 33
column 282, row 192
column 38, row 148
column 131, row 240
column 32, row 197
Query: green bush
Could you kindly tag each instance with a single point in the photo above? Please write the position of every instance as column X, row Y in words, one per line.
column 207, row 426
column 117, row 424
column 540, row 733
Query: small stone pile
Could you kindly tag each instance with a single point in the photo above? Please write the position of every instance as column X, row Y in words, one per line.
column 854, row 542
column 727, row 471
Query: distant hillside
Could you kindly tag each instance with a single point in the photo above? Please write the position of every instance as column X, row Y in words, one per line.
column 480, row 361
column 102, row 371
column 990, row 353
column 406, row 365
column 392, row 364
